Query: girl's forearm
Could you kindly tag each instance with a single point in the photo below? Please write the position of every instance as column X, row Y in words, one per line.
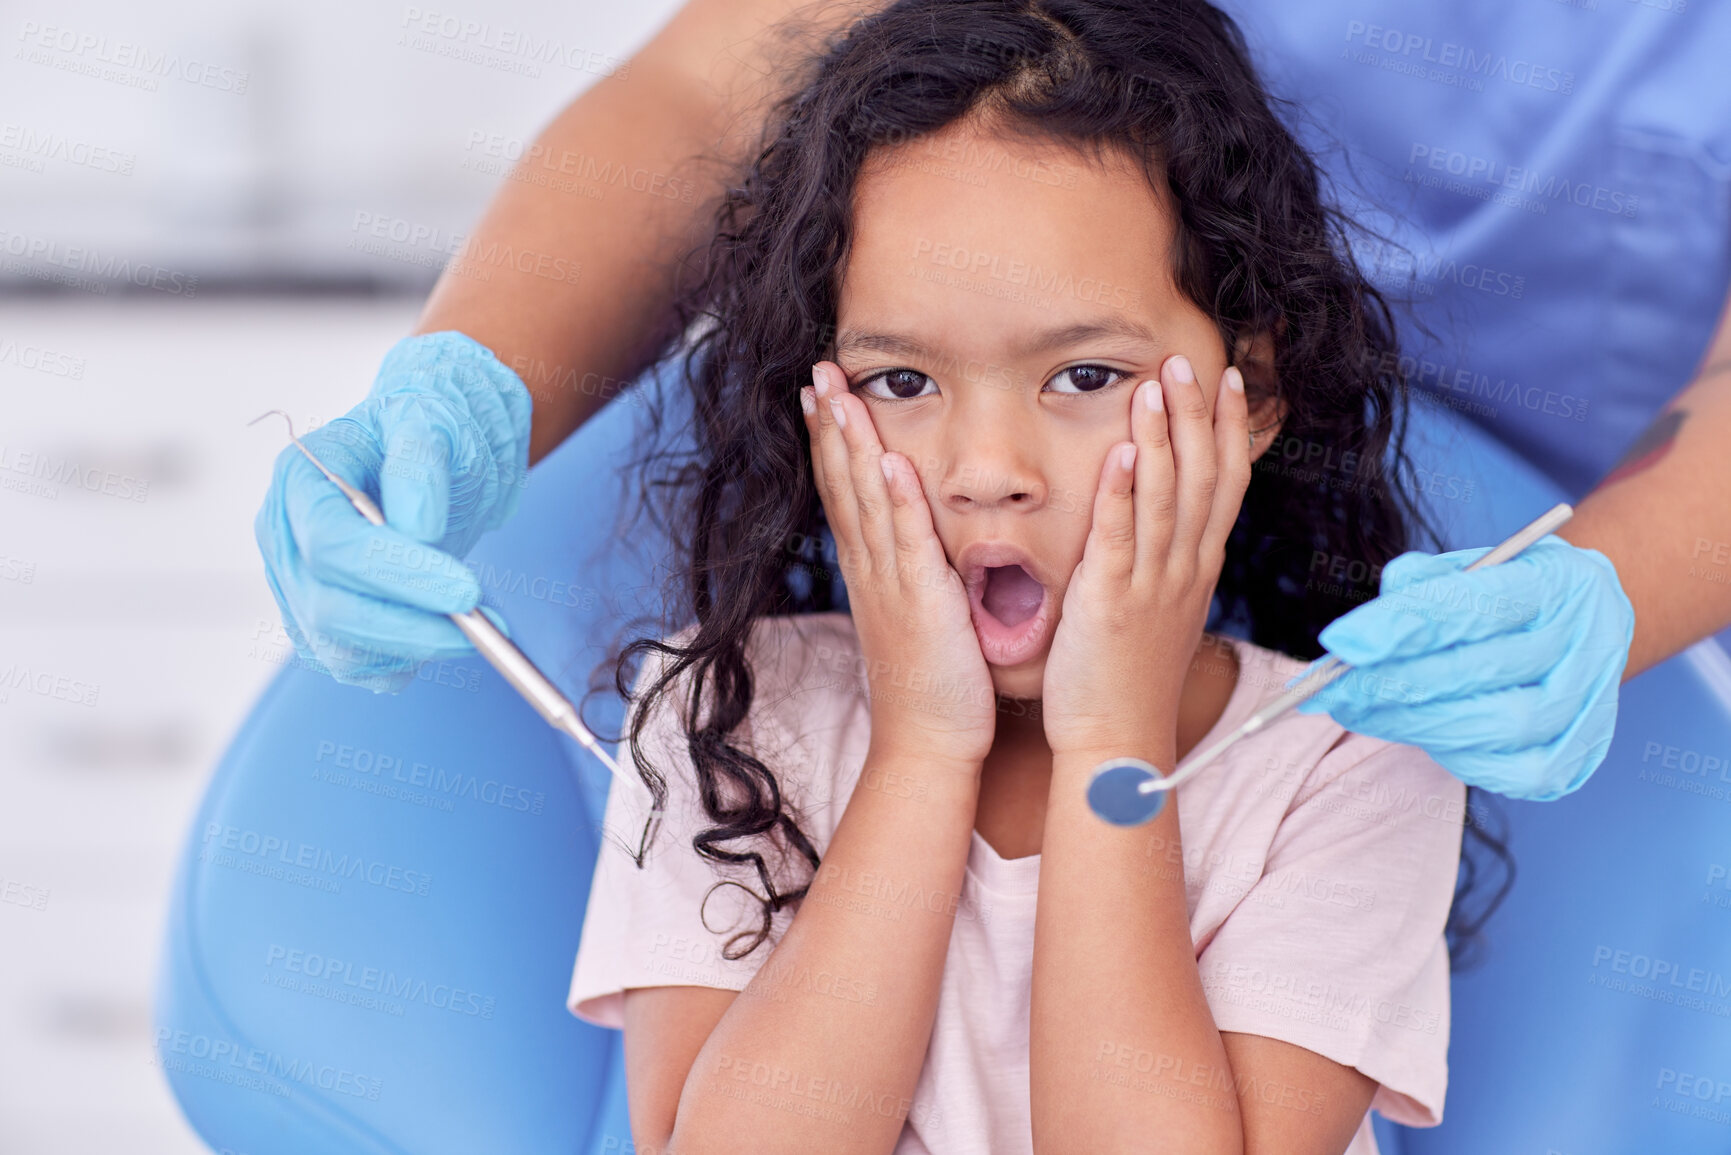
column 1122, row 1043
column 823, row 1050
column 569, row 276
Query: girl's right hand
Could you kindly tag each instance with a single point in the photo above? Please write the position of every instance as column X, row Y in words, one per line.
column 931, row 690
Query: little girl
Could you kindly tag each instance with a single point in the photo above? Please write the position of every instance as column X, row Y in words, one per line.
column 1009, row 303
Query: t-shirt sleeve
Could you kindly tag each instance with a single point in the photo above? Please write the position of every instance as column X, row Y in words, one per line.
column 646, row 926
column 1338, row 947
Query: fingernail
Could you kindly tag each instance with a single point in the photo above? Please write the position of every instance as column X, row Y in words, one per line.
column 1181, row 370
column 1127, row 456
column 819, row 381
column 837, row 412
column 889, row 474
column 806, row 402
column 1151, row 396
column 1234, row 379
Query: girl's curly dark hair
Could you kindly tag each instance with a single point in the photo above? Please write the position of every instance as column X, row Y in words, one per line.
column 1258, row 249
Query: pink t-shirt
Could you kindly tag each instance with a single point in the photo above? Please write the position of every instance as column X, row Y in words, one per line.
column 1319, row 869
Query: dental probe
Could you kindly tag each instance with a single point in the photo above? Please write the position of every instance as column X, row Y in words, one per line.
column 499, row 650
column 1129, row 792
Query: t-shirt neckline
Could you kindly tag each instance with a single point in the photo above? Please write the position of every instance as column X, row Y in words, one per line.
column 1020, row 877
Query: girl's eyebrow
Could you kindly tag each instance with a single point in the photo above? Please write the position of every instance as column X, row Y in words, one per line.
column 1039, row 341
column 851, row 339
column 1106, row 325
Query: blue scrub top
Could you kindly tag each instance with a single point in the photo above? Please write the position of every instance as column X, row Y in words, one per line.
column 1559, row 174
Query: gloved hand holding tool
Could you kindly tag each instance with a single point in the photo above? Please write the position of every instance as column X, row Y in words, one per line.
column 442, row 442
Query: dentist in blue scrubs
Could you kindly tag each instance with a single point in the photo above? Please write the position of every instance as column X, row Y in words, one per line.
column 1552, row 180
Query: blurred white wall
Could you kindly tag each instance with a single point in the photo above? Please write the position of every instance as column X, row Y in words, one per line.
column 129, row 152
column 240, row 139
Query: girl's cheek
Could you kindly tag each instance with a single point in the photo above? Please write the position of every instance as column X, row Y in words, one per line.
column 1075, row 489
column 895, row 440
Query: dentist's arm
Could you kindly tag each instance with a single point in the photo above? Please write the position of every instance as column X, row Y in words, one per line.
column 1663, row 515
column 695, row 93
column 1508, row 677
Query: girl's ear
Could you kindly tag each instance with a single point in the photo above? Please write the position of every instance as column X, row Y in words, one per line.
column 1254, row 356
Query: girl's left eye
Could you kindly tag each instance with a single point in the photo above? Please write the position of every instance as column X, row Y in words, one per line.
column 1085, row 378
column 902, row 384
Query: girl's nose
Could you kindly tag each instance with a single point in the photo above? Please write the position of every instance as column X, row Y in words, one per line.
column 989, row 474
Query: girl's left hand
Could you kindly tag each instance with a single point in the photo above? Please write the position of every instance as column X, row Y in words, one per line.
column 1136, row 604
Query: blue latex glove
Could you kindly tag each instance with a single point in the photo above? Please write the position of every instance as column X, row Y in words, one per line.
column 441, row 443
column 1507, row 677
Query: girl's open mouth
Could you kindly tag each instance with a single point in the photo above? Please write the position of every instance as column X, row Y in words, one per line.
column 1010, row 606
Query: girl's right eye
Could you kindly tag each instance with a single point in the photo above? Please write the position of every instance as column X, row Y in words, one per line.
column 903, row 384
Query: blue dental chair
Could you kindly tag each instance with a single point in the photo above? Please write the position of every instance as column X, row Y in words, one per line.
column 376, row 912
